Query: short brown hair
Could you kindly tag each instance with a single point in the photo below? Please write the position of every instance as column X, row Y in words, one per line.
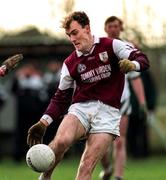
column 114, row 18
column 79, row 16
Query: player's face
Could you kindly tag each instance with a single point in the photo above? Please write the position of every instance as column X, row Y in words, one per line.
column 79, row 36
column 113, row 29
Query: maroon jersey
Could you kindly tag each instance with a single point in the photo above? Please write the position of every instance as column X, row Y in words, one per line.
column 96, row 75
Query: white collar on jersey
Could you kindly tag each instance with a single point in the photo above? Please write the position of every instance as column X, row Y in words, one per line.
column 96, row 40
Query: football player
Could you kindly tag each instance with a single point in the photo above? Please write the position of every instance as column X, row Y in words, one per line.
column 113, row 28
column 96, row 68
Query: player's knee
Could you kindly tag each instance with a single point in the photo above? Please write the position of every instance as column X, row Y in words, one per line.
column 61, row 143
column 119, row 143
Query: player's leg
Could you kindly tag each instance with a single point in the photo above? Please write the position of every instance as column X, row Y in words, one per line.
column 97, row 144
column 107, row 171
column 120, row 149
column 111, row 122
column 69, row 131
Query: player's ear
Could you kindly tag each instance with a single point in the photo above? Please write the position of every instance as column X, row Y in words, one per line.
column 87, row 28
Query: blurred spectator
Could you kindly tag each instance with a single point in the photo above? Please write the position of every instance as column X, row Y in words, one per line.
column 3, row 98
column 52, row 76
column 31, row 97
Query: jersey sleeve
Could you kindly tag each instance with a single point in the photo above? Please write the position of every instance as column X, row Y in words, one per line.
column 61, row 100
column 125, row 51
column 66, row 81
column 121, row 49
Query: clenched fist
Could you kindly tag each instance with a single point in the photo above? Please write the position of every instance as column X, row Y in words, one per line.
column 126, row 65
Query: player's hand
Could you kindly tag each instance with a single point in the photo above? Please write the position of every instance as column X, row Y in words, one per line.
column 36, row 133
column 126, row 65
column 143, row 113
column 10, row 63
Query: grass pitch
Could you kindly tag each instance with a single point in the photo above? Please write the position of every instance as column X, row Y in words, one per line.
column 152, row 168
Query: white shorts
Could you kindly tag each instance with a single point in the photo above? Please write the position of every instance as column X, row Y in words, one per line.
column 97, row 117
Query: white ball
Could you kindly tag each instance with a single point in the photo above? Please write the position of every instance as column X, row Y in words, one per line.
column 40, row 158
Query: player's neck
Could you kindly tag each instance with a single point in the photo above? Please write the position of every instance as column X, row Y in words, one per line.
column 111, row 37
column 90, row 45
